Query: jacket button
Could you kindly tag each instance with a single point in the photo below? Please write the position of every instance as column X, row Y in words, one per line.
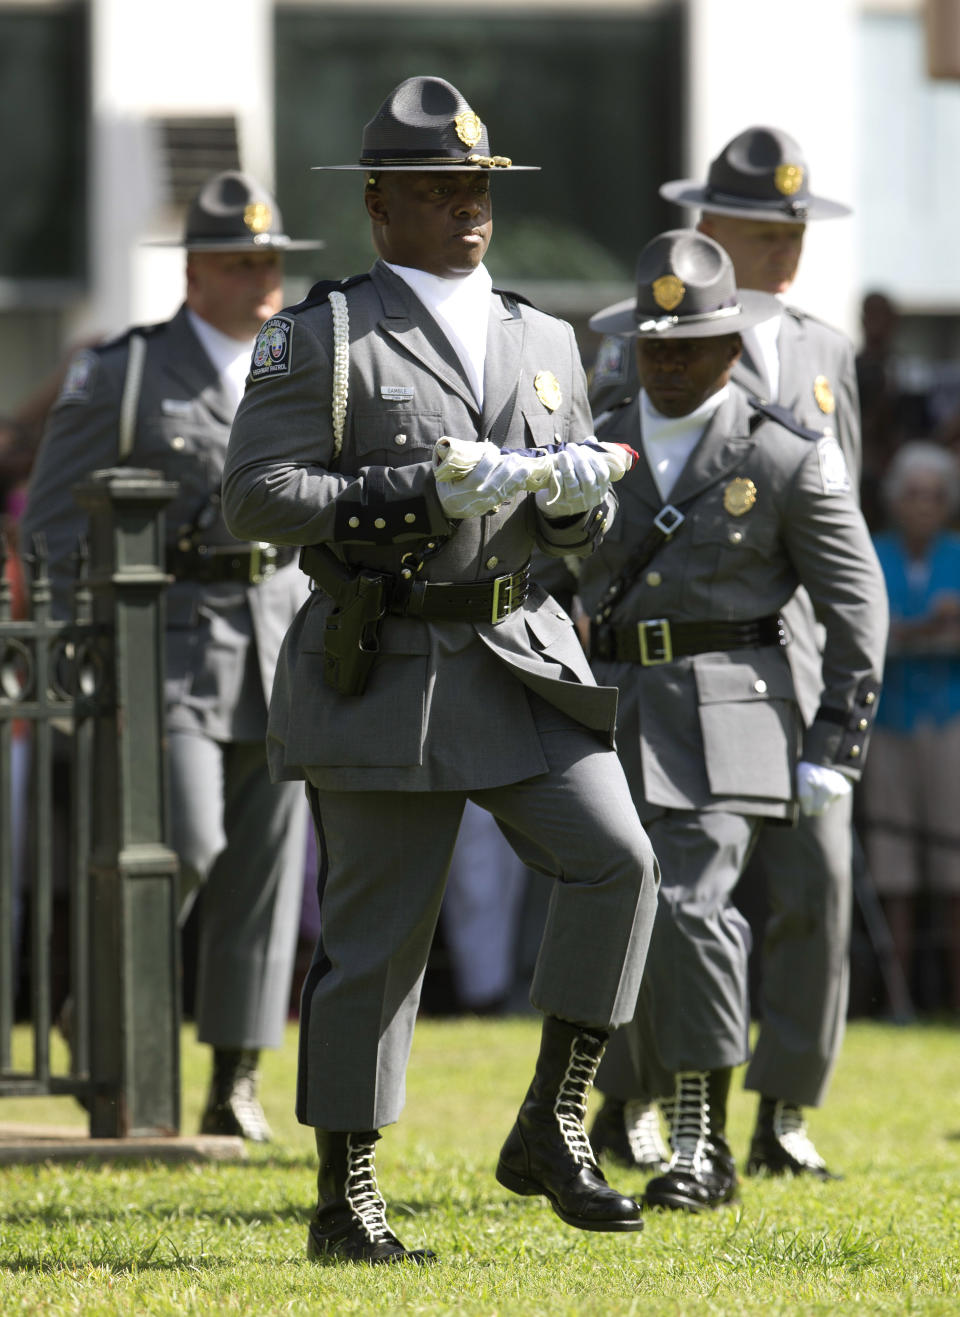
column 178, row 442
column 353, row 523
column 492, row 561
column 409, row 518
column 379, row 523
column 760, row 686
column 399, row 440
column 736, row 536
column 869, row 697
column 854, row 752
column 863, row 724
column 654, row 578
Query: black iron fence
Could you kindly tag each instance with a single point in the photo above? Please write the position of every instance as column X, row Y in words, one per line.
column 81, row 751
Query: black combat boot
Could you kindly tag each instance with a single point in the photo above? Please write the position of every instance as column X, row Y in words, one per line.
column 232, row 1105
column 350, row 1223
column 547, row 1151
column 781, row 1143
column 701, row 1172
column 629, row 1134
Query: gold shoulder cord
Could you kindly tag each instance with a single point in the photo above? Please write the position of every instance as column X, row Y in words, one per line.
column 341, row 366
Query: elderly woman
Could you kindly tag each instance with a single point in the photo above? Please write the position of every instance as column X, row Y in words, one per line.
column 910, row 797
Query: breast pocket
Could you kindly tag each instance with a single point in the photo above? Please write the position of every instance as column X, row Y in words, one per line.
column 397, row 437
column 749, row 722
column 543, row 429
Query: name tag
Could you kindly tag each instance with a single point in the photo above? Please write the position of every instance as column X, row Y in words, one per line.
column 176, row 406
column 396, row 392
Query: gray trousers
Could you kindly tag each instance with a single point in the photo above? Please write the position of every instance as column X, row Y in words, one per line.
column 385, row 860
column 806, row 964
column 693, row 1008
column 243, row 840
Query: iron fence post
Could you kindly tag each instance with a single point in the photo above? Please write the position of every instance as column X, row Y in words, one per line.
column 134, row 961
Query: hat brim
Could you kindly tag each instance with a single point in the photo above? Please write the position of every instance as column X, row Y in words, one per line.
column 620, row 319
column 238, row 245
column 454, row 167
column 688, row 192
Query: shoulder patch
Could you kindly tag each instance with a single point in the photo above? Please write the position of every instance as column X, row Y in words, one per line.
column 78, row 382
column 610, row 366
column 273, row 349
column 833, row 468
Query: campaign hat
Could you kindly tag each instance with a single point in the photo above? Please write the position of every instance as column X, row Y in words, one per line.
column 686, row 288
column 426, row 125
column 232, row 212
column 761, row 174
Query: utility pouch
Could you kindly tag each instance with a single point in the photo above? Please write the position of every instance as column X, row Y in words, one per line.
column 351, row 639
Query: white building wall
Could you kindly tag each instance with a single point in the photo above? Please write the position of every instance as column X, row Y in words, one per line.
column 150, row 59
column 791, row 65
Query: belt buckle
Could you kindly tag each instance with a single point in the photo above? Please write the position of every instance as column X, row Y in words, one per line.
column 669, row 519
column 262, row 565
column 656, row 645
column 505, row 591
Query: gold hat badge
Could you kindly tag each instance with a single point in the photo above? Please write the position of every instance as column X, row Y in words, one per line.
column 258, row 217
column 668, row 291
column 788, row 179
column 823, row 395
column 739, row 496
column 547, row 388
column 469, row 128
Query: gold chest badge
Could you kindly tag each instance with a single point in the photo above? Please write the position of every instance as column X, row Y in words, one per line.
column 258, row 217
column 739, row 496
column 823, row 394
column 547, row 387
column 469, row 128
column 788, row 179
column 668, row 291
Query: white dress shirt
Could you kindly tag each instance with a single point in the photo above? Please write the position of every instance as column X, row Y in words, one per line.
column 461, row 307
column 230, row 356
column 669, row 440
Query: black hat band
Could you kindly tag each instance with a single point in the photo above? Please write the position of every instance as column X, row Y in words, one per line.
column 798, row 209
column 663, row 323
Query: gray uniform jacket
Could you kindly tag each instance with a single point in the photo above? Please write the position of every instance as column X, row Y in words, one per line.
column 722, row 729
column 446, row 704
column 222, row 638
column 818, row 384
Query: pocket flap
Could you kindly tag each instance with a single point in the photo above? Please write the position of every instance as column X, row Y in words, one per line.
column 743, row 678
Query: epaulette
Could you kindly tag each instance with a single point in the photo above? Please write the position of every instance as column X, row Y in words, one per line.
column 773, row 411
column 519, row 298
column 609, row 413
column 320, row 292
column 121, row 340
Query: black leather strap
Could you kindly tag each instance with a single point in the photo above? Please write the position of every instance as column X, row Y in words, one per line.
column 658, row 640
column 247, row 563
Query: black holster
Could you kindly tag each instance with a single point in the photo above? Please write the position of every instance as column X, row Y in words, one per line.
column 351, row 639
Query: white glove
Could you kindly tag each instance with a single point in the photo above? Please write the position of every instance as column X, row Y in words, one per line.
column 818, row 787
column 494, row 479
column 581, row 478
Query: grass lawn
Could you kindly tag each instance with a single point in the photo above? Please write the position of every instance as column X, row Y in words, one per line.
column 128, row 1238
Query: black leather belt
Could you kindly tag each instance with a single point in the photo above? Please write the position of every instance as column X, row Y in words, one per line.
column 476, row 601
column 658, row 640
column 247, row 563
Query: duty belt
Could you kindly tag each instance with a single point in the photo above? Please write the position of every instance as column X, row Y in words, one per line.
column 658, row 640
column 247, row 563
column 475, row 601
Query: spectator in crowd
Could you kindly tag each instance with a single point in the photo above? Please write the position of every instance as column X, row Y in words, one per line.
column 909, row 795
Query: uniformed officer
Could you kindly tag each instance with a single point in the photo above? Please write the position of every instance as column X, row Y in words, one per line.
column 426, row 670
column 756, row 203
column 733, row 507
column 162, row 397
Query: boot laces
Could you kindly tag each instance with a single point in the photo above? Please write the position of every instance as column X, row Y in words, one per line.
column 790, row 1131
column 570, row 1105
column 642, row 1124
column 362, row 1192
column 690, row 1122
